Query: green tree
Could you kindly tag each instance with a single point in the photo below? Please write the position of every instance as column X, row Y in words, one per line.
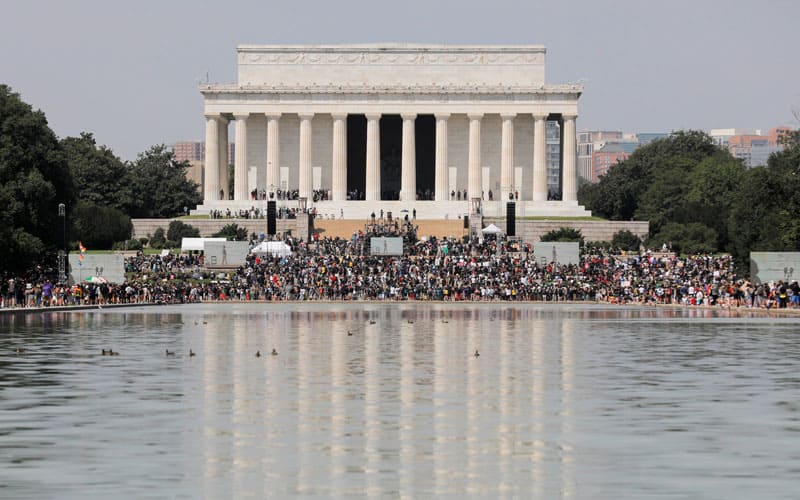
column 663, row 200
column 763, row 215
column 159, row 186
column 99, row 176
column 178, row 230
column 629, row 183
column 232, row 232
column 684, row 179
column 713, row 186
column 99, row 227
column 34, row 179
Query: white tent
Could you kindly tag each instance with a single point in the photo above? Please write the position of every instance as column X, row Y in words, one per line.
column 191, row 244
column 272, row 248
column 491, row 229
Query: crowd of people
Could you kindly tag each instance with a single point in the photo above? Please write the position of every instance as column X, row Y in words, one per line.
column 432, row 269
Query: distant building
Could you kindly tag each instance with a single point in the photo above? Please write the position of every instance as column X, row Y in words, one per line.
column 615, row 146
column 722, row 136
column 776, row 135
column 755, row 149
column 196, row 151
column 195, row 173
column 645, row 138
column 590, row 141
column 610, row 154
column 189, row 151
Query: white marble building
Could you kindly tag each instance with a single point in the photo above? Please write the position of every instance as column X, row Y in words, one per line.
column 397, row 126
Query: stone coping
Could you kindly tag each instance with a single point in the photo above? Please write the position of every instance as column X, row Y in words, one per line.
column 732, row 311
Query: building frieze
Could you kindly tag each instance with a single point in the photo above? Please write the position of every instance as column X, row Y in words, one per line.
column 402, row 54
column 573, row 90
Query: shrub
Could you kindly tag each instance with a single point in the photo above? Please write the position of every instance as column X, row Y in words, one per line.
column 158, row 239
column 232, row 232
column 625, row 240
column 178, row 230
column 564, row 234
column 132, row 244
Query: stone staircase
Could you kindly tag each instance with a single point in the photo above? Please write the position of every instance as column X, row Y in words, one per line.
column 344, row 228
column 436, row 210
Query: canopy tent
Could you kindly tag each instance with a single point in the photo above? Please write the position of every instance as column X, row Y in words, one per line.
column 491, row 229
column 193, row 244
column 272, row 248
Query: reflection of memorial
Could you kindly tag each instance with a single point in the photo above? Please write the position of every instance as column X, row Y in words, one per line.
column 401, row 405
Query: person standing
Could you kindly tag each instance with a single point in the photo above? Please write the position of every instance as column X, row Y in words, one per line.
column 47, row 293
column 11, row 295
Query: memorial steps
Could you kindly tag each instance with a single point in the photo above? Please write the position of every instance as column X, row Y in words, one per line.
column 345, row 228
column 433, row 210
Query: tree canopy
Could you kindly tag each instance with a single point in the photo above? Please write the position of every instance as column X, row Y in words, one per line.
column 99, row 176
column 699, row 198
column 34, row 179
column 764, row 214
column 159, row 186
column 100, row 192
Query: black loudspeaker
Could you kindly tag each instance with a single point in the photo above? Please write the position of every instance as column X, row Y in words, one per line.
column 511, row 219
column 271, row 224
column 466, row 222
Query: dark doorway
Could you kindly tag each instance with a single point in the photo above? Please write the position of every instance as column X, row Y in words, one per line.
column 425, row 137
column 554, row 130
column 356, row 156
column 391, row 156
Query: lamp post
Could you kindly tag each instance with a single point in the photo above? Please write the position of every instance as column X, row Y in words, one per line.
column 62, row 268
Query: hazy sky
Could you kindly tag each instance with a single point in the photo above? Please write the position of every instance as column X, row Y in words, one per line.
column 128, row 71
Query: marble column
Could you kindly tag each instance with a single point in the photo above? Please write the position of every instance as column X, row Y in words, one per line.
column 211, row 167
column 442, row 191
column 539, row 158
column 224, row 160
column 305, row 156
column 570, row 185
column 339, row 163
column 408, row 179
column 240, row 159
column 507, row 157
column 373, row 181
column 273, row 153
column 474, row 162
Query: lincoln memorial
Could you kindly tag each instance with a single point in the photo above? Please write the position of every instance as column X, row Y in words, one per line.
column 353, row 129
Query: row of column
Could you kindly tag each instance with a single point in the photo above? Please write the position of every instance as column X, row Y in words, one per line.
column 216, row 180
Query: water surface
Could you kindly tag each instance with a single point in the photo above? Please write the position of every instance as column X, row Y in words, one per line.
column 578, row 401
